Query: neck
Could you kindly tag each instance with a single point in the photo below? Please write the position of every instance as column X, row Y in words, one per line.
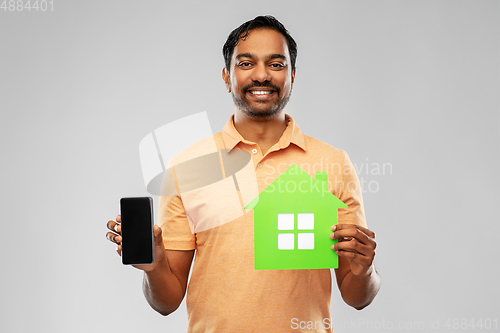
column 264, row 132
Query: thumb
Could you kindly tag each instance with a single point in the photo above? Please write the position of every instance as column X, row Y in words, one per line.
column 158, row 235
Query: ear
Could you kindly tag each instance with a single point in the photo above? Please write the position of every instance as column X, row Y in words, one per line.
column 293, row 74
column 225, row 77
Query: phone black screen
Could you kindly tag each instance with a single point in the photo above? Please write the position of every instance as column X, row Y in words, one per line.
column 137, row 230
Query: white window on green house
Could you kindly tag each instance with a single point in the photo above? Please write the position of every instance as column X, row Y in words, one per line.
column 286, row 223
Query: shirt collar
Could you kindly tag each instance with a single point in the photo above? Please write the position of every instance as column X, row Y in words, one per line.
column 292, row 134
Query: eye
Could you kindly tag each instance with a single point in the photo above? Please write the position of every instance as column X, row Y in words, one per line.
column 277, row 65
column 244, row 64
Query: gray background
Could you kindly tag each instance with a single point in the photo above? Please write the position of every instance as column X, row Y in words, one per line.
column 410, row 83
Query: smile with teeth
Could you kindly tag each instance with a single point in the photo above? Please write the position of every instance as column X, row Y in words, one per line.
column 261, row 92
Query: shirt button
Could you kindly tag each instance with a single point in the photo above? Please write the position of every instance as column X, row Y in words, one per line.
column 259, row 165
column 254, row 151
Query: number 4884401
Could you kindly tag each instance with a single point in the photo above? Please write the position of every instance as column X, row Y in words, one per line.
column 27, row 6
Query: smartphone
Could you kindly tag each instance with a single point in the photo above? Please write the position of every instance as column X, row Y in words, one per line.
column 137, row 230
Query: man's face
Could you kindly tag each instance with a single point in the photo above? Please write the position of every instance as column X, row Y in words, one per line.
column 261, row 77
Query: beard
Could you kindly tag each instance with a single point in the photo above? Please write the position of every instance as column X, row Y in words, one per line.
column 260, row 113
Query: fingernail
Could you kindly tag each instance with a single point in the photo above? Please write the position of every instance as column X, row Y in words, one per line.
column 116, row 227
column 334, row 228
column 332, row 235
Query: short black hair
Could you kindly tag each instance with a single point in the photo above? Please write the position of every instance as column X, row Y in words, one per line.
column 260, row 22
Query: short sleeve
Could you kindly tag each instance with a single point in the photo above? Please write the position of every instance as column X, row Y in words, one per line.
column 351, row 195
column 173, row 221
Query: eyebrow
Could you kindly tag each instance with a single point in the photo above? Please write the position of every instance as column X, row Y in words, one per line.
column 270, row 57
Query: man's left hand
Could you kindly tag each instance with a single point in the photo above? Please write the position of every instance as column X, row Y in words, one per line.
column 357, row 244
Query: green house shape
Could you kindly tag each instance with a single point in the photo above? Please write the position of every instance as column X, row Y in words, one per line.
column 293, row 217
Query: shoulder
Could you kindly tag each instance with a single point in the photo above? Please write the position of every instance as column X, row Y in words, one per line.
column 322, row 148
column 200, row 148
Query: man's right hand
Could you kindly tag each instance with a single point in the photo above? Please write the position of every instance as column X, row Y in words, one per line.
column 165, row 281
column 114, row 235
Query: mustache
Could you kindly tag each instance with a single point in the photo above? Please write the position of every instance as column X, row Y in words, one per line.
column 265, row 85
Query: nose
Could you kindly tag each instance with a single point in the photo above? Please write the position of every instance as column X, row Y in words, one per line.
column 261, row 73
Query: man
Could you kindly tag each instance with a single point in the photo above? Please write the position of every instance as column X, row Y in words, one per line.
column 226, row 293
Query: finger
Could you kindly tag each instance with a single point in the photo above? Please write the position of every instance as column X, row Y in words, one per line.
column 119, row 218
column 366, row 231
column 114, row 237
column 158, row 236
column 350, row 233
column 355, row 247
column 113, row 226
column 119, row 250
column 355, row 257
column 357, row 261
